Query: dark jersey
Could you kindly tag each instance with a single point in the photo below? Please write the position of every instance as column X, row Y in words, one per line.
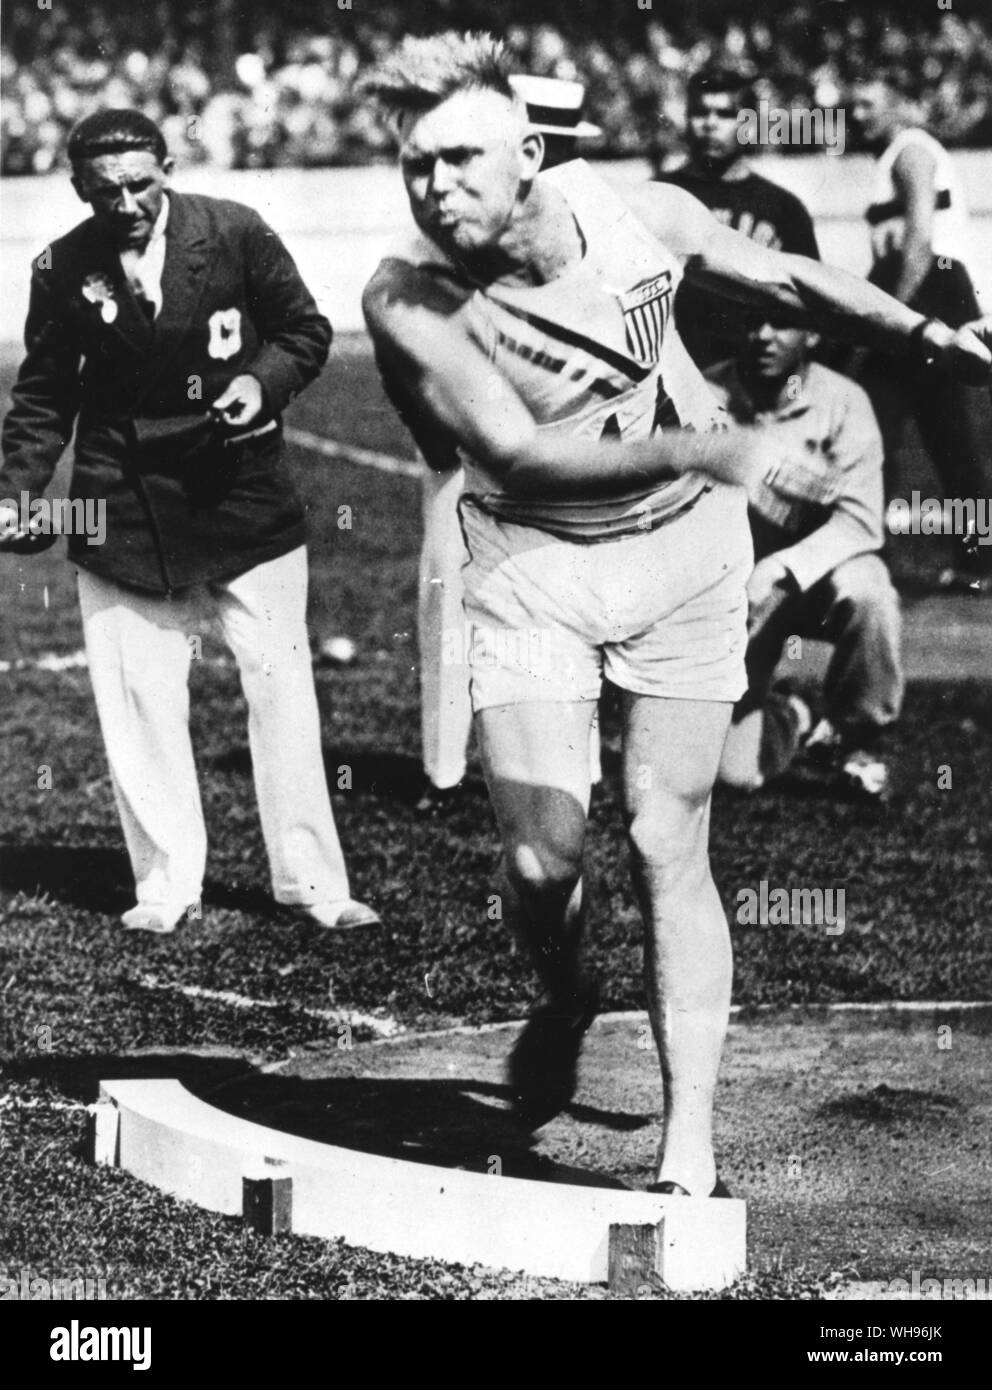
column 711, row 327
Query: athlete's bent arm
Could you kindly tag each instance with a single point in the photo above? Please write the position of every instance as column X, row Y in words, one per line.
column 914, row 175
column 421, row 342
column 811, row 293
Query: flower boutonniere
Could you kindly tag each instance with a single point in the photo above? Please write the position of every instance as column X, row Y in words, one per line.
column 98, row 290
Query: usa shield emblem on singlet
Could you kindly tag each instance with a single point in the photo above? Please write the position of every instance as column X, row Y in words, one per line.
column 646, row 309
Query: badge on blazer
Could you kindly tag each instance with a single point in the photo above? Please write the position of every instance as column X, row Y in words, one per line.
column 98, row 290
column 225, row 334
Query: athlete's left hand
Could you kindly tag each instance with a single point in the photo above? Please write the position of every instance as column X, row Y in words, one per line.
column 966, row 353
column 982, row 329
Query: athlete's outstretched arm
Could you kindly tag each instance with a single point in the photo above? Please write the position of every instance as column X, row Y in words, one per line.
column 813, row 294
column 421, row 343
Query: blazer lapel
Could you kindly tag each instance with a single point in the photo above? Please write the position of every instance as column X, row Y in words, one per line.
column 188, row 252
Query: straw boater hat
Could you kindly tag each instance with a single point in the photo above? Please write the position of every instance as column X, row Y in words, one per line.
column 554, row 106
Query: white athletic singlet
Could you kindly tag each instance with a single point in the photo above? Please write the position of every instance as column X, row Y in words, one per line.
column 950, row 219
column 593, row 353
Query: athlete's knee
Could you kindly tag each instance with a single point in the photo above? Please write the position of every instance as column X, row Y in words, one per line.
column 670, row 842
column 863, row 588
column 538, row 867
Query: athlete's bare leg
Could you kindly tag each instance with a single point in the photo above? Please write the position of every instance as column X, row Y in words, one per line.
column 536, row 759
column 670, row 758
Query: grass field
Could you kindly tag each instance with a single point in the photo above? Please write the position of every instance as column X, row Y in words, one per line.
column 78, row 998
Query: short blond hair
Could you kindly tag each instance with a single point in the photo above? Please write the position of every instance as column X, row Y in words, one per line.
column 422, row 73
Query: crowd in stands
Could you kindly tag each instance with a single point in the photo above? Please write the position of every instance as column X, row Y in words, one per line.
column 292, row 99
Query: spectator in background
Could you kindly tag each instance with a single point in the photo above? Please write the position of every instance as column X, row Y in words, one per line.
column 717, row 172
column 920, row 244
column 818, row 573
column 634, row 74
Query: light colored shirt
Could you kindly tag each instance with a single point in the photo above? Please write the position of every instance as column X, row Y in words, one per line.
column 144, row 268
column 840, row 424
column 949, row 234
column 591, row 353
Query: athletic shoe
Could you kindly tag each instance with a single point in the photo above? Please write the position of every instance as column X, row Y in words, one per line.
column 675, row 1189
column 801, row 713
column 438, row 802
column 340, row 914
column 865, row 774
column 953, row 581
column 824, row 744
column 858, row 771
column 543, row 1065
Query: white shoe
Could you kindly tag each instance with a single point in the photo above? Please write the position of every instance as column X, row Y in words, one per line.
column 866, row 775
column 160, row 918
column 953, row 581
column 340, row 914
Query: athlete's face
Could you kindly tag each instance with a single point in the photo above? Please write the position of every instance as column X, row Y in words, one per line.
column 125, row 192
column 774, row 353
column 464, row 164
column 713, row 128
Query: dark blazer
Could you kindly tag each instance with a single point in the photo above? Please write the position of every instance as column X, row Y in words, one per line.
column 185, row 501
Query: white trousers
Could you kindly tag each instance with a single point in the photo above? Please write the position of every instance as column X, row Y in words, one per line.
column 139, row 648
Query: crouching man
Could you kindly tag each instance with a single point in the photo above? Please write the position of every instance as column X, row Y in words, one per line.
column 817, row 573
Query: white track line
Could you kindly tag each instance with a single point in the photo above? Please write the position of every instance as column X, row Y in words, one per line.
column 50, row 661
column 76, row 661
column 351, row 453
column 639, row 1016
column 45, row 1103
column 383, row 1027
column 896, row 1006
column 388, row 1029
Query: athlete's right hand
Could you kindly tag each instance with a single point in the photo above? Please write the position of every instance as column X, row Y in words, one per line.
column 18, row 540
column 9, row 525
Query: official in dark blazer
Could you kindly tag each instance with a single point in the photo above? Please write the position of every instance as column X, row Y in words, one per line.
column 172, row 330
column 186, row 500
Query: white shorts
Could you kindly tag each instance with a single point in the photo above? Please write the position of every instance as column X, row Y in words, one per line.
column 663, row 613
